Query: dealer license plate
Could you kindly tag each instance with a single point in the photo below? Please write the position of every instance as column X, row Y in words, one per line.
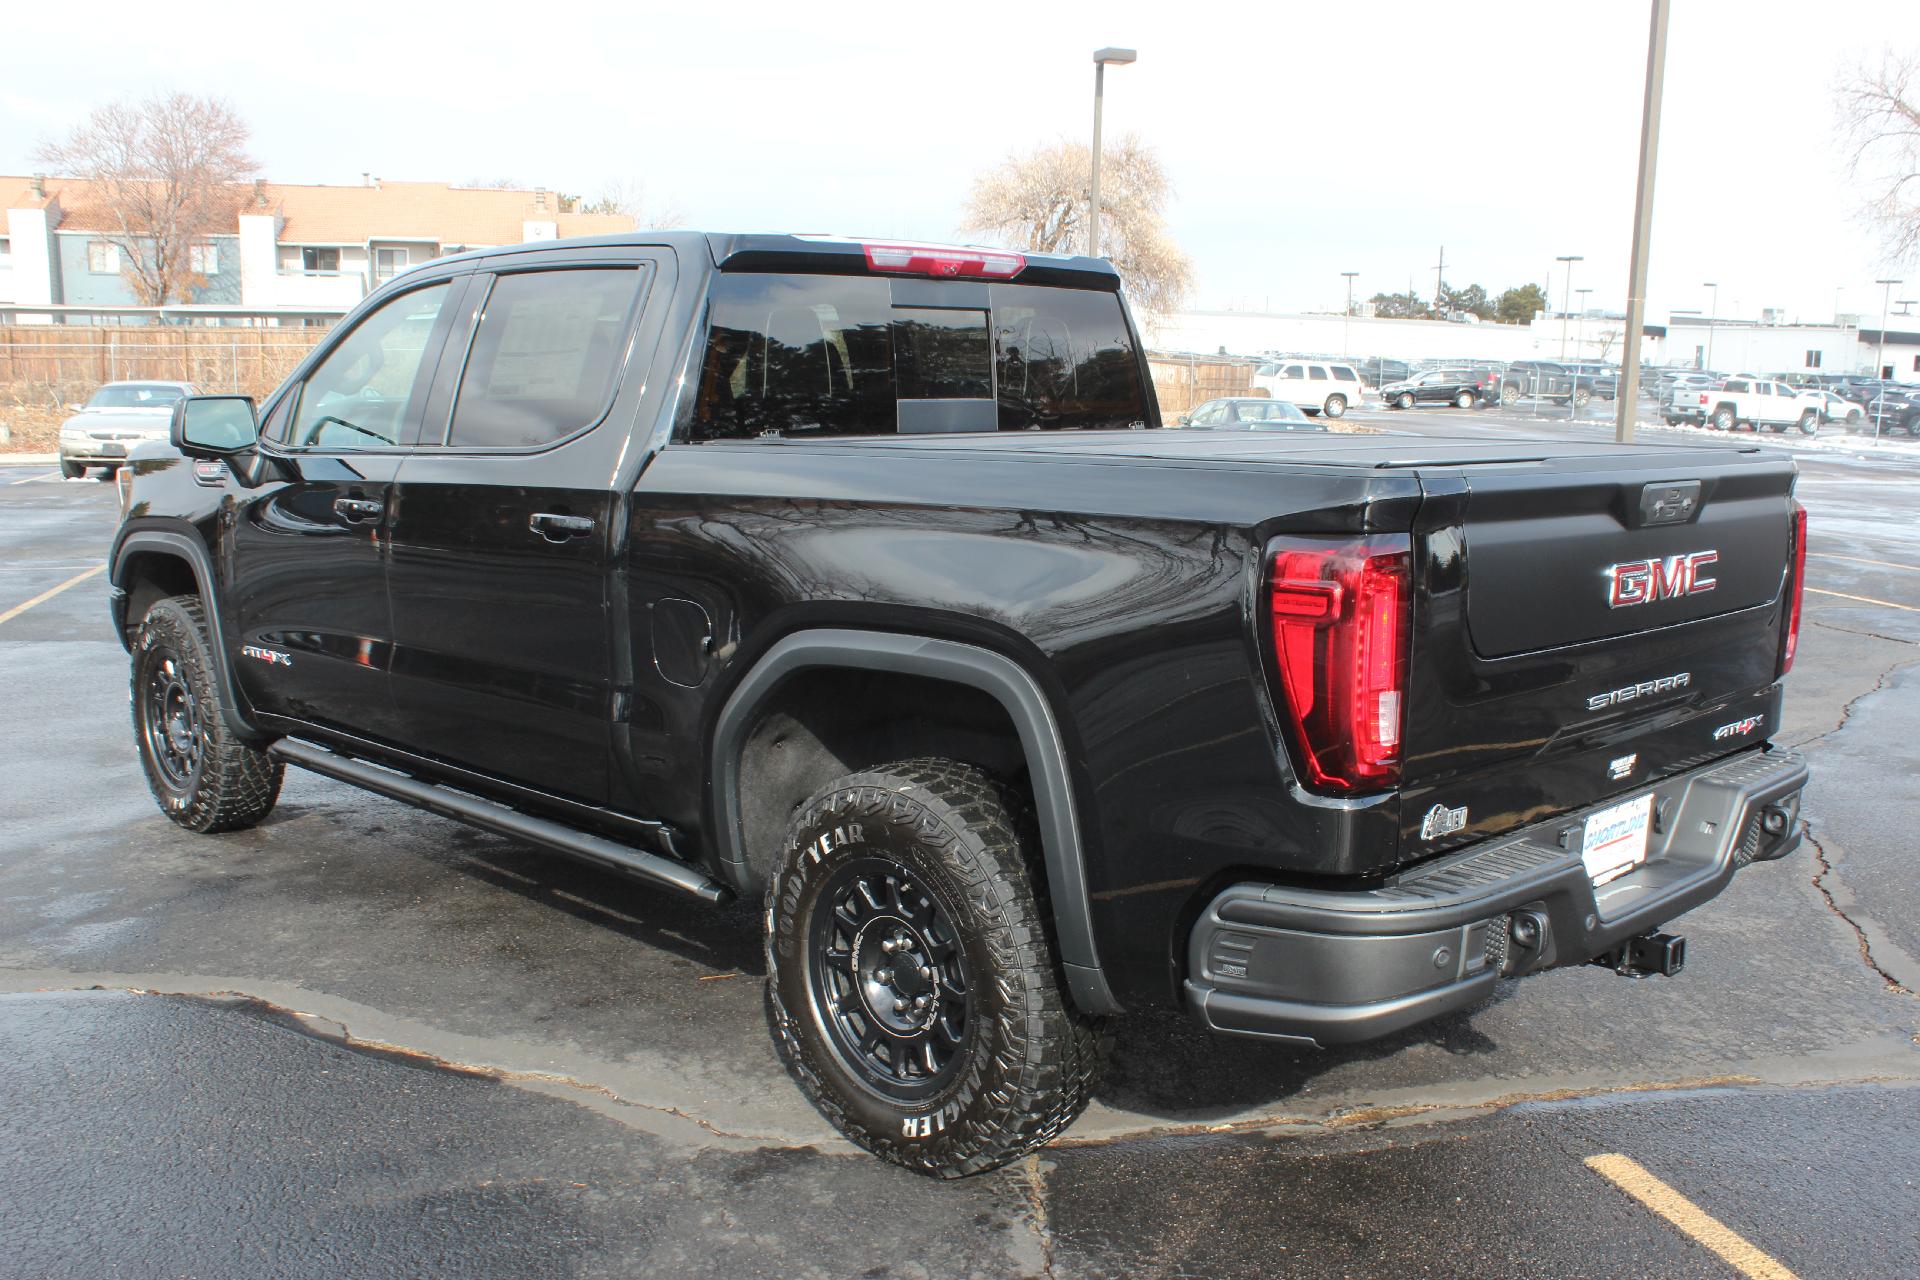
column 1616, row 838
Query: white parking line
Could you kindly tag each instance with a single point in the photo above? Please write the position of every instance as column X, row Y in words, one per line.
column 1884, row 564
column 44, row 596
column 1689, row 1218
column 31, row 479
column 1812, row 591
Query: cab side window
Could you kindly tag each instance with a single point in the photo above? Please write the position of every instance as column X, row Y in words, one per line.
column 364, row 392
column 545, row 357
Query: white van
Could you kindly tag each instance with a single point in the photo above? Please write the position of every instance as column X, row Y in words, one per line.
column 1317, row 386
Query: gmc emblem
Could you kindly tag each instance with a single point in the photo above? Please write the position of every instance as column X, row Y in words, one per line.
column 1644, row 581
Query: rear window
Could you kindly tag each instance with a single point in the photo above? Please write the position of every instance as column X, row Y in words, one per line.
column 854, row 355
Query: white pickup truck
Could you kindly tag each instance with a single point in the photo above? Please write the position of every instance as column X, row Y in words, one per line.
column 1759, row 402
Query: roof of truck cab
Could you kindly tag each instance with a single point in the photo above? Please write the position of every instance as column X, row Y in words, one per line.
column 810, row 252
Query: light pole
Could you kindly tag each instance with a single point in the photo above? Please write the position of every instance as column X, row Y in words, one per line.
column 1880, row 360
column 1566, row 297
column 1627, row 394
column 1346, row 321
column 1102, row 58
column 1713, row 318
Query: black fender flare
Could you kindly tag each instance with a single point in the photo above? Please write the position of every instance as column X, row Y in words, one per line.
column 994, row 674
column 182, row 546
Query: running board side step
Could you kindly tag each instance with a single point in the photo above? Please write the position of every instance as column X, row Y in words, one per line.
column 501, row 820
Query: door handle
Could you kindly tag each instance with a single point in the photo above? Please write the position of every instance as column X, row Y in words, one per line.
column 358, row 510
column 558, row 528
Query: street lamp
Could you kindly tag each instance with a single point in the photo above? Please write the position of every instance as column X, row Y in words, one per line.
column 1346, row 321
column 1102, row 59
column 1566, row 295
column 1880, row 360
column 1713, row 318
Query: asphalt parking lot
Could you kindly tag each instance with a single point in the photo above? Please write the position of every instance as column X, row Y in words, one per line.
column 361, row 1040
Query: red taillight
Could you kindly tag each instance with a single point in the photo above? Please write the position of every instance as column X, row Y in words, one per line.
column 1796, row 588
column 944, row 260
column 1340, row 613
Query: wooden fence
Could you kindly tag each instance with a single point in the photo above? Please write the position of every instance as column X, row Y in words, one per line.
column 52, row 364
column 56, row 363
column 1184, row 382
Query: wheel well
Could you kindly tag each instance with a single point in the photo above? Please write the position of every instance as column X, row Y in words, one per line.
column 152, row 576
column 824, row 722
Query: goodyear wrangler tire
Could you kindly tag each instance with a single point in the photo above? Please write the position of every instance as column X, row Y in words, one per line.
column 912, row 986
column 200, row 774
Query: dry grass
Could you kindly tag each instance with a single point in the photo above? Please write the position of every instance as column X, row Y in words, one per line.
column 32, row 427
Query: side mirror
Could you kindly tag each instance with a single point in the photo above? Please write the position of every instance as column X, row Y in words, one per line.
column 75, row 408
column 214, row 426
column 1183, row 420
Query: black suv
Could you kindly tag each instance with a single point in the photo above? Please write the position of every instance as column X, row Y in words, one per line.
column 1462, row 388
column 858, row 579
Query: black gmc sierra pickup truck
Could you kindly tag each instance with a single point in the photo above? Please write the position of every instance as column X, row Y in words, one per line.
column 858, row 577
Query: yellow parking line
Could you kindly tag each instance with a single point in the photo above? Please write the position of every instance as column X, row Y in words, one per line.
column 1688, row 1218
column 1884, row 564
column 44, row 596
column 1812, row 591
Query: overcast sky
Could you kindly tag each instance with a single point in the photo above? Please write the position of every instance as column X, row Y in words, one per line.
column 1303, row 140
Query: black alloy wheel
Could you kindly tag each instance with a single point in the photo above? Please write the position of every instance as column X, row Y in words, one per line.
column 889, row 979
column 912, row 986
column 170, row 721
column 201, row 773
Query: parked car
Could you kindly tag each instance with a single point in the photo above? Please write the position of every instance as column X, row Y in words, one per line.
column 1462, row 388
column 116, row 417
column 1895, row 408
column 1250, row 413
column 1543, row 380
column 1377, row 371
column 1687, row 404
column 1837, row 408
column 1761, row 402
column 1317, row 386
column 1601, row 380
column 858, row 580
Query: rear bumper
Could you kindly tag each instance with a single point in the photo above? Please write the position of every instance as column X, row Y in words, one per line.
column 1313, row 966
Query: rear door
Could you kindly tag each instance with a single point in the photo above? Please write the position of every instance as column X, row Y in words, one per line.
column 1586, row 625
column 500, row 527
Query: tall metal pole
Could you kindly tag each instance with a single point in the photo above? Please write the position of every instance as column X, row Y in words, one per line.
column 1627, row 396
column 1101, row 57
column 1093, row 216
column 1713, row 318
column 1880, row 360
column 1346, row 321
column 1566, row 299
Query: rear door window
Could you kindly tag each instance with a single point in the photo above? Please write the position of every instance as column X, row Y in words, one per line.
column 1343, row 374
column 544, row 358
column 1316, row 374
column 860, row 355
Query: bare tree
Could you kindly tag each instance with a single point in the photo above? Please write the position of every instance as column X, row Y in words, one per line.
column 1037, row 200
column 630, row 196
column 1879, row 109
column 169, row 171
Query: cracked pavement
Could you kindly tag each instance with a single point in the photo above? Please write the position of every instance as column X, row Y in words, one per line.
column 364, row 1040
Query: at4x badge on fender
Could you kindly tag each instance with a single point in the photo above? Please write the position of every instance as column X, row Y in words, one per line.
column 272, row 656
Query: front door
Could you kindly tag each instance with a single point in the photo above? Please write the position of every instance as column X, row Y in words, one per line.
column 309, row 591
column 501, row 527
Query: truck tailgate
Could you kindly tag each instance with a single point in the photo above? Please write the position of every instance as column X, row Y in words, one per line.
column 1583, row 630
